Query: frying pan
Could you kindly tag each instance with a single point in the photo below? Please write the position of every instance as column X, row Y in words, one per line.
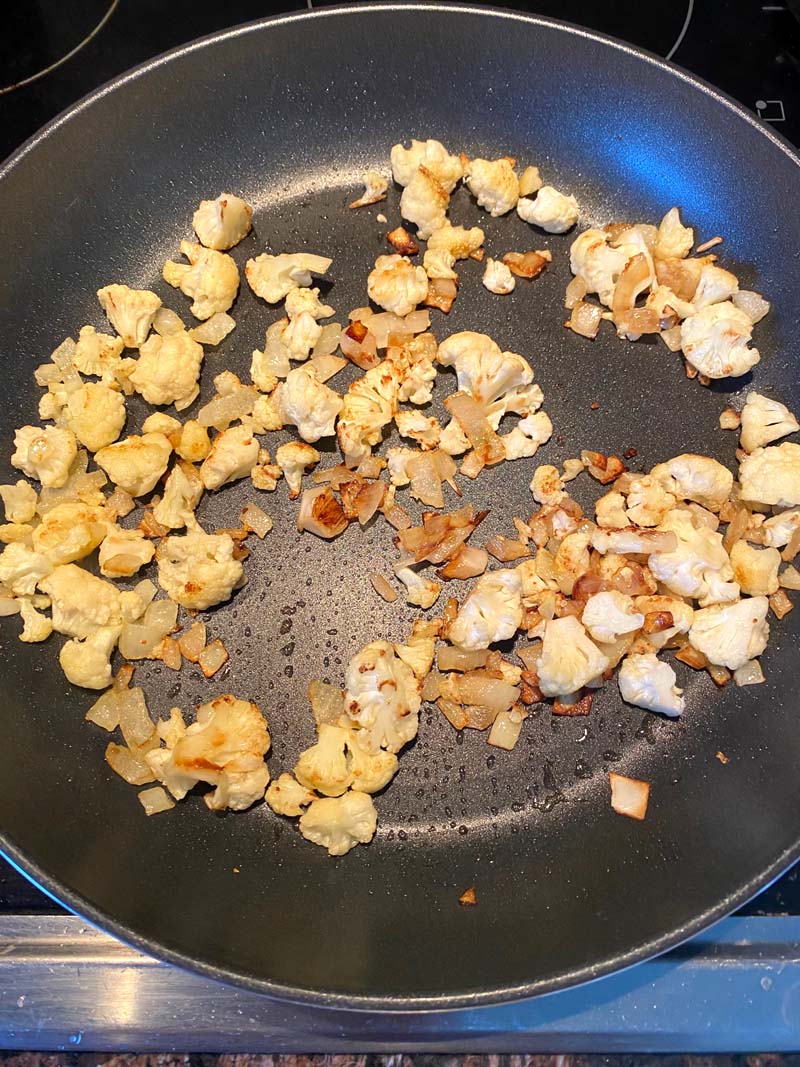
column 289, row 113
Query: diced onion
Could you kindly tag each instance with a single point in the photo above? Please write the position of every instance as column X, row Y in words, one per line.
column 128, row 765
column 170, row 653
column 253, row 518
column 9, row 605
column 212, row 658
column 629, row 796
column 789, row 578
column 105, row 711
column 321, row 513
column 505, row 730
column 467, row 562
column 451, row 658
column 325, row 367
column 222, row 410
column 493, row 693
column 398, row 517
column 166, row 322
column 327, row 702
column 719, row 675
column 138, row 641
column 780, row 603
column 327, row 343
column 692, row 657
column 752, row 304
column 134, row 718
column 213, row 330
column 585, row 319
column 506, row 550
column 192, row 643
column 749, row 674
column 360, row 350
column 369, row 499
column 155, row 800
column 415, row 322
column 161, row 615
column 576, row 290
column 672, row 338
column 382, row 588
column 431, row 687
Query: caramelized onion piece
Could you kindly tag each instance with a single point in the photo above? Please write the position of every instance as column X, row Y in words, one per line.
column 466, row 562
column 585, row 319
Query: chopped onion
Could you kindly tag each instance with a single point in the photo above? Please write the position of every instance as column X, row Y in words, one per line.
column 576, row 290
column 123, row 678
column 213, row 330
column 327, row 702
column 105, row 711
column 253, row 518
column 128, row 765
column 441, row 294
column 431, row 687
column 469, row 415
column 321, row 513
column 192, row 643
column 382, row 325
column 692, row 657
column 478, row 717
column 370, row 467
column 415, row 321
column 166, row 322
column 749, row 674
column 634, row 278
column 780, row 603
column 440, row 535
column 170, row 653
column 680, row 275
column 134, row 718
column 451, row 658
column 466, row 562
column 369, row 499
column 359, row 346
column 476, row 688
column 336, row 476
column 629, row 796
column 327, row 343
column 585, row 319
column 222, row 410
column 325, row 367
column 529, row 654
column 737, row 527
column 789, row 578
column 138, row 641
column 752, row 304
column 730, row 419
column 426, row 482
column 212, row 658
column 719, row 675
column 454, row 713
column 155, row 800
column 402, row 241
column 527, row 264
column 119, row 504
column 162, row 615
column 604, row 468
column 506, row 550
column 9, row 605
column 702, row 517
column 792, row 548
column 505, row 730
column 382, row 588
column 633, row 322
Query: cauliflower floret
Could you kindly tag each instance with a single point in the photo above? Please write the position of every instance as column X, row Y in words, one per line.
column 609, row 614
column 168, row 370
column 368, row 405
column 715, row 285
column 698, row 478
column 681, row 612
column 222, row 223
column 492, row 611
column 81, row 603
column 182, row 492
column 755, row 569
column 161, row 422
column 524, row 440
column 224, row 747
column 569, row 658
column 21, row 568
column 609, row 511
column 136, row 463
column 124, row 552
column 233, row 455
column 130, row 311
column 273, row 277
column 88, row 662
column 424, row 202
column 662, row 299
column 648, row 502
column 421, row 591
column 35, row 626
column 592, row 258
column 299, row 301
column 382, row 695
column 413, row 363
column 447, row 169
column 397, row 285
column 547, row 485
column 674, row 240
column 552, row 210
column 486, row 373
column 97, row 353
column 715, row 339
column 340, row 823
column 456, row 241
column 211, row 279
column 425, row 430
column 293, row 459
column 306, row 403
column 699, row 566
column 194, row 443
column 572, row 560
column 731, row 634
column 420, row 648
column 370, row 771
column 779, row 529
column 375, row 189
column 95, row 414
column 300, row 336
column 494, row 184
column 648, row 683
column 198, row 570
column 763, row 421
column 69, row 531
column 771, row 475
column 19, row 501
column 497, row 277
column 45, row 453
column 439, row 264
column 287, row 797
column 325, row 766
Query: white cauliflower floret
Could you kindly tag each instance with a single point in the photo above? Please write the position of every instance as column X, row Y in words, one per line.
column 592, row 258
column 439, row 264
column 681, row 612
column 224, row 747
column 609, row 511
column 609, row 614
column 293, row 459
column 97, row 353
column 88, row 662
column 674, row 240
column 763, row 421
column 375, row 189
column 182, row 492
column 80, row 602
column 492, row 611
column 397, row 285
column 95, row 414
column 124, row 552
column 698, row 478
column 425, row 430
column 779, row 529
column 161, row 422
column 198, row 570
column 135, row 464
column 306, row 403
column 647, row 682
column 494, row 184
column 421, row 591
column 456, row 241
column 417, row 373
column 370, row 771
column 662, row 299
column 714, row 286
column 168, row 370
column 234, row 453
column 211, row 279
column 130, row 311
column 430, row 154
column 222, row 223
column 21, row 568
column 648, row 502
column 69, row 531
column 424, row 202
column 731, row 634
column 569, row 658
column 488, row 374
column 524, row 440
column 420, row 648
column 552, row 210
column 36, row 627
column 715, row 339
column 299, row 301
column 19, row 501
column 300, row 336
column 287, row 797
column 340, row 823
column 325, row 767
column 273, row 277
column 771, row 475
column 382, row 695
column 755, row 569
column 368, row 405
column 547, row 485
column 267, row 366
column 45, row 453
column 699, row 566
column 497, row 277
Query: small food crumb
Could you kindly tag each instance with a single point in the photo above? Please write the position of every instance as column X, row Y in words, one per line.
column 381, row 218
column 723, row 758
column 630, row 453
column 730, row 420
column 712, row 243
column 594, row 405
column 468, row 899
column 235, row 870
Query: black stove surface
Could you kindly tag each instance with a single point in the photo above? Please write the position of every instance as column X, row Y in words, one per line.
column 52, row 54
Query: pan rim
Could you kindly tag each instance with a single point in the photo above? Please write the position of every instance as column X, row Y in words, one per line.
column 397, row 1003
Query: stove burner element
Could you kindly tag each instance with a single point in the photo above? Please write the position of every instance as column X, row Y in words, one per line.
column 43, row 34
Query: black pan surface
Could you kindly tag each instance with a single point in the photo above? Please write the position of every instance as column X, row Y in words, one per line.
column 289, row 113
